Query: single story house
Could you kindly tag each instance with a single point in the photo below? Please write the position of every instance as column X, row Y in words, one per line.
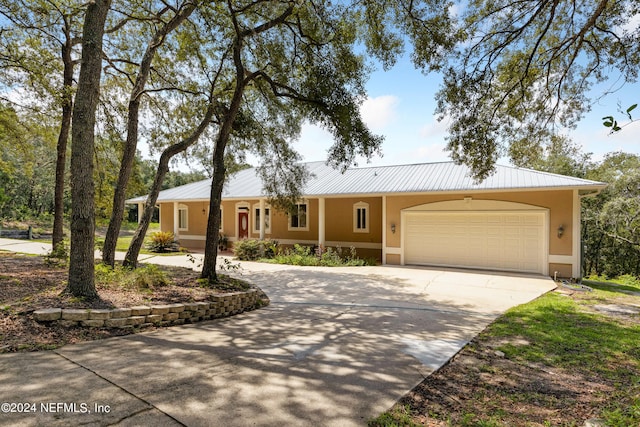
column 517, row 219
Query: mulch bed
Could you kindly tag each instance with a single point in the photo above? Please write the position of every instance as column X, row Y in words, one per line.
column 28, row 284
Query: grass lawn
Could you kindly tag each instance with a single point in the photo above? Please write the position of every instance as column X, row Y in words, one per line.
column 559, row 360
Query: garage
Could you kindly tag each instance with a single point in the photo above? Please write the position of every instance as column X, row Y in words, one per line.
column 494, row 240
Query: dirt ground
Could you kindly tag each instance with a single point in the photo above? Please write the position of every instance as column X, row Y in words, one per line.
column 478, row 381
column 28, row 284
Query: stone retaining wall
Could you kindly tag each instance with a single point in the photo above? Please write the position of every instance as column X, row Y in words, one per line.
column 221, row 305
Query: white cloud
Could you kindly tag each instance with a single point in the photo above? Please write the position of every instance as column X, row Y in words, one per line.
column 434, row 129
column 313, row 143
column 380, row 111
column 436, row 152
column 595, row 138
column 633, row 23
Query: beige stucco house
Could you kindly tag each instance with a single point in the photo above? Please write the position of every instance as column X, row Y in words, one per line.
column 421, row 214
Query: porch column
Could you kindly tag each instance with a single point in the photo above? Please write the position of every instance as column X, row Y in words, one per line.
column 140, row 210
column 576, row 235
column 263, row 223
column 321, row 218
column 384, row 230
column 176, row 220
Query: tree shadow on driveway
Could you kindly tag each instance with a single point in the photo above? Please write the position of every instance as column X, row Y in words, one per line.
column 331, row 349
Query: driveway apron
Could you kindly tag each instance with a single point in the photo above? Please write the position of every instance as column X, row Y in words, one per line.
column 334, row 348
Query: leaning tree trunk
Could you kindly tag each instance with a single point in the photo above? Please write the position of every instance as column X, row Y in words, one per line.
column 219, row 171
column 242, row 79
column 131, row 144
column 131, row 258
column 213, row 223
column 81, row 261
column 63, row 137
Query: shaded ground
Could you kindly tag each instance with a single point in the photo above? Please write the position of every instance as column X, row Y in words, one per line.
column 28, row 284
column 584, row 364
column 480, row 387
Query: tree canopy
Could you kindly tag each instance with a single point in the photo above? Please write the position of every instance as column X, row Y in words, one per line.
column 525, row 71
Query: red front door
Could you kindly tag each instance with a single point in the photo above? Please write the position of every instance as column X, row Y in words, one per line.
column 243, row 225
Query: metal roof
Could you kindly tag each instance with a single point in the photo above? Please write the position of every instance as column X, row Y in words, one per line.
column 415, row 178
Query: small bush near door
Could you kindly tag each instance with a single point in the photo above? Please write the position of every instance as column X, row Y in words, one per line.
column 253, row 249
column 270, row 251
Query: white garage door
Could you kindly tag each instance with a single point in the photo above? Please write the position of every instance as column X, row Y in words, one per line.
column 511, row 241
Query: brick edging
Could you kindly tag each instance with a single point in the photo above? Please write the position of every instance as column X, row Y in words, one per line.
column 221, row 305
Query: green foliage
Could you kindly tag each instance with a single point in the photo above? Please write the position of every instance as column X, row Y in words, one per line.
column 298, row 255
column 229, row 266
column 147, row 277
column 623, row 413
column 515, row 76
column 611, row 221
column 611, row 122
column 562, row 333
column 254, row 249
column 399, row 416
column 58, row 257
column 162, row 241
column 305, row 256
column 27, row 164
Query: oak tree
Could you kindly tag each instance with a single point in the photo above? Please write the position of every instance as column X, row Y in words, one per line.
column 524, row 71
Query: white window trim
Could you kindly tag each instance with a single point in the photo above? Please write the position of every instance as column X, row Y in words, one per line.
column 365, row 206
column 267, row 229
column 221, row 218
column 185, row 208
column 306, row 227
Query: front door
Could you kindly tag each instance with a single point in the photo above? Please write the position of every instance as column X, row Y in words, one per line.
column 243, row 225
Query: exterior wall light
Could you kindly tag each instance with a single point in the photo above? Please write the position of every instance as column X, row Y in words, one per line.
column 393, row 227
column 560, row 231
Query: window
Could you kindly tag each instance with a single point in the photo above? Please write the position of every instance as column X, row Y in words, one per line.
column 361, row 217
column 183, row 217
column 298, row 217
column 257, row 221
column 221, row 221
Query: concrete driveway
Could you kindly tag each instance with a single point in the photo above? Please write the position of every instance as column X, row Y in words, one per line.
column 335, row 348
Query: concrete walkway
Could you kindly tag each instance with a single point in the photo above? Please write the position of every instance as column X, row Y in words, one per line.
column 335, row 348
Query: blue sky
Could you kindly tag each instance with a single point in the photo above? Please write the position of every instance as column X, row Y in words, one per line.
column 401, row 106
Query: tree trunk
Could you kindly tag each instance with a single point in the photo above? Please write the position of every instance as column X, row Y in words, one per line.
column 81, row 262
column 219, row 171
column 63, row 137
column 129, row 152
column 131, row 258
column 213, row 223
column 119, row 195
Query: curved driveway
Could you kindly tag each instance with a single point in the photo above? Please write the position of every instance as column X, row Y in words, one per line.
column 335, row 348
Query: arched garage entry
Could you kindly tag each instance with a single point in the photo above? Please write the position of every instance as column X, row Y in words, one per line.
column 483, row 234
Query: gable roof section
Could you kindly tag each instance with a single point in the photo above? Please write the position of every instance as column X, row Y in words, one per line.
column 416, row 178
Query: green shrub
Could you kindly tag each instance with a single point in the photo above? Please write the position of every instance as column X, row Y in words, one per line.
column 145, row 278
column 329, row 257
column 629, row 280
column 58, row 257
column 149, row 277
column 254, row 249
column 298, row 255
column 162, row 241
